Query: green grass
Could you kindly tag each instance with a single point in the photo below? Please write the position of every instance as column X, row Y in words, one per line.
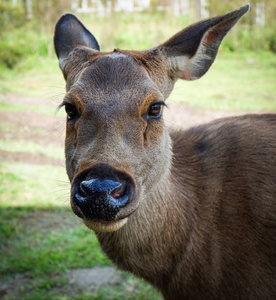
column 24, row 185
column 15, row 145
column 40, row 77
column 40, row 108
column 48, row 250
column 237, row 82
column 7, row 127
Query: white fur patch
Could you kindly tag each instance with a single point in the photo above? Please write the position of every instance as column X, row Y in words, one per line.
column 101, row 226
column 189, row 68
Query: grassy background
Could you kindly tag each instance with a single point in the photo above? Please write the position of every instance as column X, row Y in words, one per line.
column 40, row 238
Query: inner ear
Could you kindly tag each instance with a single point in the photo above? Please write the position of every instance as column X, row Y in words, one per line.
column 191, row 52
column 71, row 33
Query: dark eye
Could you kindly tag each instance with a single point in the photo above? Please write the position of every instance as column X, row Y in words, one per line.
column 71, row 111
column 155, row 110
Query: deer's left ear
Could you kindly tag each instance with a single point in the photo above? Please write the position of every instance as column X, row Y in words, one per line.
column 191, row 52
column 70, row 33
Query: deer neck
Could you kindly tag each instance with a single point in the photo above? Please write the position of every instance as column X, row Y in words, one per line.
column 152, row 232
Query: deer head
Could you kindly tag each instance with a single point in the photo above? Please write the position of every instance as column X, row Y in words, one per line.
column 118, row 150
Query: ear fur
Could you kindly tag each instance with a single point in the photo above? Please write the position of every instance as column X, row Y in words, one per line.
column 191, row 52
column 69, row 34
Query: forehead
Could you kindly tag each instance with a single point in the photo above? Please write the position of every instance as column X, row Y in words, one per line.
column 114, row 74
column 116, row 71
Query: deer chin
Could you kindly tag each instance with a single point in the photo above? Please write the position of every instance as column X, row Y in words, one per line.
column 105, row 226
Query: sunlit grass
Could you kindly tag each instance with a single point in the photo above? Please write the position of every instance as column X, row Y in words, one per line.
column 41, row 78
column 12, row 145
column 44, row 109
column 236, row 82
column 33, row 185
column 7, row 127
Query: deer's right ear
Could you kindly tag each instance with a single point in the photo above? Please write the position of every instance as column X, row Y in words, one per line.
column 69, row 34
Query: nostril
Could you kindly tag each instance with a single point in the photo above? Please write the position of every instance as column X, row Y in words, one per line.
column 119, row 192
column 85, row 188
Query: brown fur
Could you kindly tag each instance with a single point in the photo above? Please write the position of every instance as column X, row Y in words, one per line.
column 213, row 231
column 200, row 222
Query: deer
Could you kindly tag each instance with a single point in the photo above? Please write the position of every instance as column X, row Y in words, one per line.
column 191, row 211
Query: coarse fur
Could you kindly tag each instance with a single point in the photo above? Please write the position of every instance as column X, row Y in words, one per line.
column 225, row 213
column 200, row 219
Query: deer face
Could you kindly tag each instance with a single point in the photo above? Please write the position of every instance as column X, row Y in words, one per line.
column 117, row 147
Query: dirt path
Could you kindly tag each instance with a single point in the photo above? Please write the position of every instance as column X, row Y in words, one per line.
column 29, row 125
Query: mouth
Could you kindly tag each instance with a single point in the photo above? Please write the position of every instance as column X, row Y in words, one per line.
column 105, row 226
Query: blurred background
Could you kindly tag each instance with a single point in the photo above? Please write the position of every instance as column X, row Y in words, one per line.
column 27, row 25
column 45, row 251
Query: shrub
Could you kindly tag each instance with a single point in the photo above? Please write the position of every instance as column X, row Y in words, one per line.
column 22, row 43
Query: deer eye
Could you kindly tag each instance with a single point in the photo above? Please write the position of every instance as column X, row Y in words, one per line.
column 155, row 110
column 71, row 111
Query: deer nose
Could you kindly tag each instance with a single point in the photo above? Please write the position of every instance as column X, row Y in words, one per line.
column 101, row 199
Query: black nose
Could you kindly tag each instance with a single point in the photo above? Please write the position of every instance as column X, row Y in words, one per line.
column 101, row 199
